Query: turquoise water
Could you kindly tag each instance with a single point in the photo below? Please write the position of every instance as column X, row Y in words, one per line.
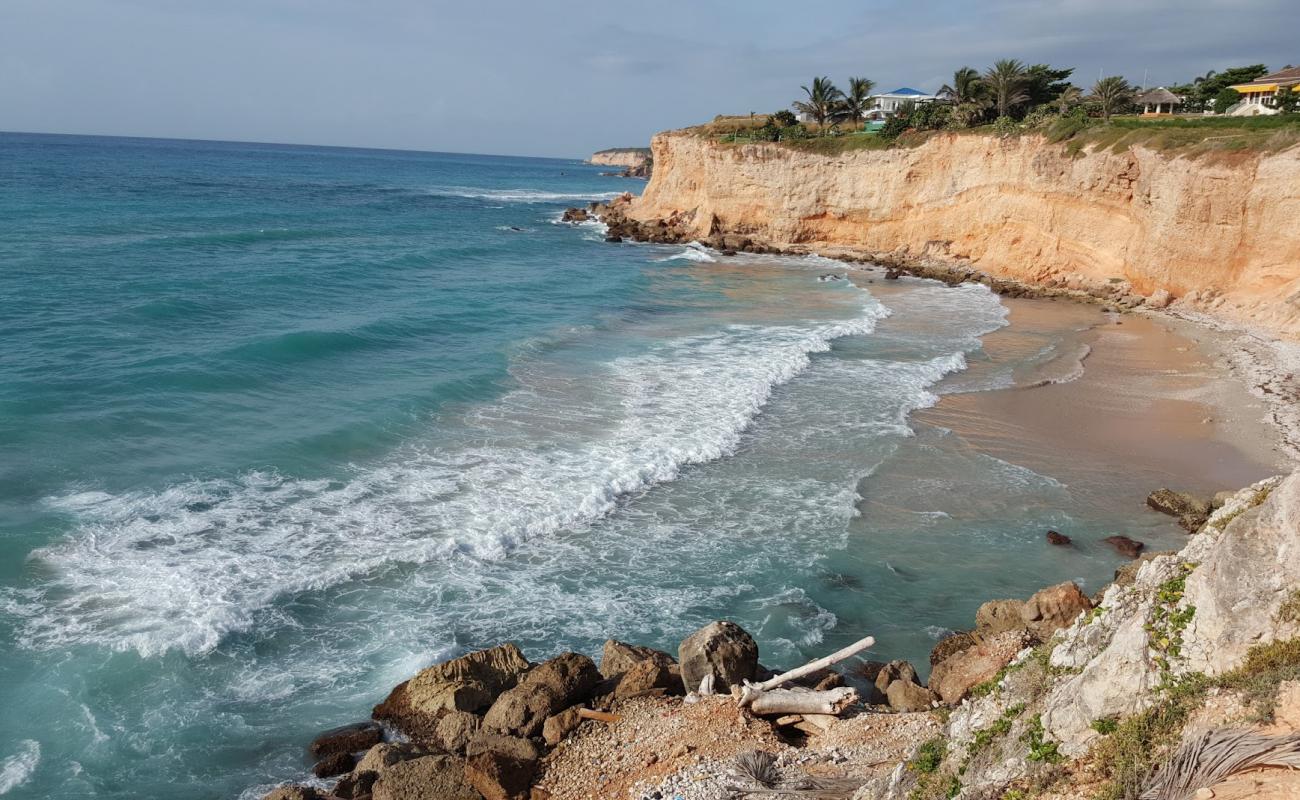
column 280, row 425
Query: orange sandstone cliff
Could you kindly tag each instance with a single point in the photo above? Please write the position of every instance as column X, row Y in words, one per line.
column 1219, row 234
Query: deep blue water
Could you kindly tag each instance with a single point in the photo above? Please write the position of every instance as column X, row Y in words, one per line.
column 280, row 425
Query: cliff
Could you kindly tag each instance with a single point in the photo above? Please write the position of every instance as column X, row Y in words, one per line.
column 1219, row 233
column 621, row 157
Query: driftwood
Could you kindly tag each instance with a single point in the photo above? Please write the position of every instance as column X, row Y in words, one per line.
column 753, row 691
column 599, row 716
column 785, row 701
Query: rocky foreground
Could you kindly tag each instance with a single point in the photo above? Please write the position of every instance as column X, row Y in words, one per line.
column 1060, row 695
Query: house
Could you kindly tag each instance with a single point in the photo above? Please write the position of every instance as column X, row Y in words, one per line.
column 1260, row 95
column 887, row 104
column 1158, row 101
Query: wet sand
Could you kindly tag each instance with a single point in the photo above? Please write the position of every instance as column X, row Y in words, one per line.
column 1154, row 406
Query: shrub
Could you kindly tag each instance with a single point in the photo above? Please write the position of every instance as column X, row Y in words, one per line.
column 1005, row 126
column 929, row 756
column 931, row 116
column 894, row 127
column 785, row 118
column 1224, row 99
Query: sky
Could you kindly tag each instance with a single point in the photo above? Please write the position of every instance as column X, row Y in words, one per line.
column 557, row 78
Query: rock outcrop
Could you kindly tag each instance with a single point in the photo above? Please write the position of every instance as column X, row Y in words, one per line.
column 721, row 649
column 470, row 683
column 1213, row 234
column 621, row 157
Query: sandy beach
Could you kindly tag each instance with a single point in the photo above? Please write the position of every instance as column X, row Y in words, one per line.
column 1154, row 405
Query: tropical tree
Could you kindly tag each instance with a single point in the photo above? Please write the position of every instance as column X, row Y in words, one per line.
column 1006, row 81
column 822, row 101
column 1070, row 97
column 966, row 87
column 1111, row 94
column 857, row 102
column 1044, row 84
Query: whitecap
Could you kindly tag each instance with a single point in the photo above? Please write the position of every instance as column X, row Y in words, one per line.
column 521, row 195
column 17, row 769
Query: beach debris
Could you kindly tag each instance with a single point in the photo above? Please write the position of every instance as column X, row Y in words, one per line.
column 752, row 691
column 803, row 701
column 758, row 766
column 599, row 716
column 1216, row 755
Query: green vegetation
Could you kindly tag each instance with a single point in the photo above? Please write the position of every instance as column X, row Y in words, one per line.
column 1041, row 749
column 1290, row 608
column 1111, row 94
column 929, row 756
column 823, row 100
column 1168, row 621
column 1135, row 745
column 1006, row 81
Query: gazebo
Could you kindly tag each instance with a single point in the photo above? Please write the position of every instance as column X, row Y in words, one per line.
column 1158, row 101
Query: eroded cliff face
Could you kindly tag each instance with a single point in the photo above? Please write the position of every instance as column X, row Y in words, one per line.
column 631, row 157
column 1220, row 235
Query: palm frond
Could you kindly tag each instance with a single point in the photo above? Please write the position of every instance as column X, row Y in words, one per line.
column 1216, row 755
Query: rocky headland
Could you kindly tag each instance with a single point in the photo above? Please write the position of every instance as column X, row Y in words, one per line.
column 637, row 162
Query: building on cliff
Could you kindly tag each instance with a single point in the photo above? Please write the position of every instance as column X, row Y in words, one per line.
column 1158, row 101
column 888, row 104
column 1260, row 95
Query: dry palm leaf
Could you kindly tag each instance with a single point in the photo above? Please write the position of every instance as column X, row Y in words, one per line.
column 1216, row 755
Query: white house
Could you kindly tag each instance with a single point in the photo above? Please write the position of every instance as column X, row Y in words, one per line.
column 887, row 104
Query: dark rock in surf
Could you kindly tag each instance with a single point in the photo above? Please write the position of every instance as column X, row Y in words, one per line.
column 335, row 764
column 1057, row 538
column 345, row 739
column 1129, row 548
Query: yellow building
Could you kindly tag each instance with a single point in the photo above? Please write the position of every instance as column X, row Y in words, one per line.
column 1261, row 93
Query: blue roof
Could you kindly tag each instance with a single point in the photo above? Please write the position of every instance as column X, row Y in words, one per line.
column 906, row 90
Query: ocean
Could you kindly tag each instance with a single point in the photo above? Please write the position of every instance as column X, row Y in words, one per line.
column 281, row 425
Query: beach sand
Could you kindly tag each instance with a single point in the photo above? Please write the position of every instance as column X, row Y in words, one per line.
column 1155, row 406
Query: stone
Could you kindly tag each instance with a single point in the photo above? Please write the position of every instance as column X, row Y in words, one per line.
column 345, row 739
column 499, row 776
column 455, row 730
column 722, row 649
column 950, row 645
column 1057, row 538
column 551, row 687
column 1160, row 298
column 893, row 672
column 1125, row 573
column 908, row 696
column 643, row 678
column 1192, row 512
column 292, row 793
column 434, row 777
column 996, row 616
column 558, row 726
column 469, row 683
column 1053, row 608
column 335, row 764
column 1130, row 548
column 514, row 746
column 617, row 657
column 954, row 677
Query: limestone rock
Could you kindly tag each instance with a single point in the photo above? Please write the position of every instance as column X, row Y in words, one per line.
column 722, row 649
column 1160, row 298
column 908, row 696
column 1192, row 512
column 996, row 616
column 893, row 672
column 292, row 793
column 558, row 726
column 345, row 739
column 645, row 677
column 954, row 677
column 455, row 730
column 335, row 764
column 468, row 683
column 617, row 657
column 1053, row 608
column 499, row 776
column 1130, row 548
column 950, row 645
column 555, row 685
column 362, row 779
column 437, row 777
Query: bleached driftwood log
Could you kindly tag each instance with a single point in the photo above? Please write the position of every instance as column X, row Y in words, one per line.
column 753, row 691
column 785, row 701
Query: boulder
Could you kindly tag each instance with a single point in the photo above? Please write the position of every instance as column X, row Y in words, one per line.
column 951, row 645
column 362, row 779
column 618, row 657
column 335, row 764
column 469, row 683
column 1126, row 573
column 346, row 739
column 1057, row 538
column 514, row 746
column 1192, row 512
column 558, row 726
column 1160, row 298
column 1053, row 608
column 499, row 776
column 1130, row 548
column 293, row 793
column 996, row 616
column 555, row 685
column 954, row 677
column 893, row 672
column 722, row 649
column 645, row 677
column 908, row 696
column 436, row 777
column 455, row 730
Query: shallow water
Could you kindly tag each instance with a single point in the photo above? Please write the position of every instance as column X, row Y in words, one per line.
column 282, row 425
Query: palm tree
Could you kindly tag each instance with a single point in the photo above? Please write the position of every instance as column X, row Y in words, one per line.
column 823, row 99
column 1069, row 97
column 1006, row 79
column 857, row 102
column 1112, row 93
column 966, row 86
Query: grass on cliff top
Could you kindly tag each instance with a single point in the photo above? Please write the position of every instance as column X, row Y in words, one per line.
column 1192, row 136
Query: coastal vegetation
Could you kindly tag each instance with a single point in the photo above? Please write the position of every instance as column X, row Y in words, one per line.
column 1010, row 98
